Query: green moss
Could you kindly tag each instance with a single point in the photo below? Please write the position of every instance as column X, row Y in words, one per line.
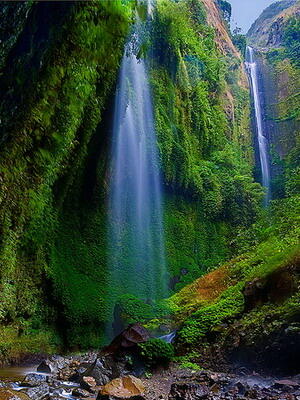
column 203, row 243
column 54, row 166
column 156, row 352
column 291, row 38
column 282, row 106
column 199, row 163
column 190, row 365
column 206, row 153
column 277, row 249
column 188, row 81
column 132, row 310
column 45, row 154
column 16, row 343
column 200, row 323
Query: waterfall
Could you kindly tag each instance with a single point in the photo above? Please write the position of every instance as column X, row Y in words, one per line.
column 262, row 140
column 136, row 259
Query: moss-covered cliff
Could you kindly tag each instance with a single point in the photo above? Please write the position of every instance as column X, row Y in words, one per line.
column 57, row 88
column 278, row 55
column 60, row 69
column 202, row 120
column 247, row 311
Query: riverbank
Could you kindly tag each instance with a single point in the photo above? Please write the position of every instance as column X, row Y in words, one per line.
column 84, row 377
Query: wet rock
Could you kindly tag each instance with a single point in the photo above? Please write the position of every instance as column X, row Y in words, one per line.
column 9, row 394
column 241, row 388
column 75, row 369
column 129, row 338
column 286, row 384
column 88, row 383
column 34, row 379
column 104, row 369
column 39, row 392
column 127, row 387
column 293, row 328
column 56, row 392
column 106, row 397
column 215, row 388
column 45, row 367
column 188, row 391
column 101, row 371
column 56, row 398
column 58, row 363
column 78, row 392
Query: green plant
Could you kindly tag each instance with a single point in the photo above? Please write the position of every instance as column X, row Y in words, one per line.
column 291, row 40
column 156, row 352
column 190, row 365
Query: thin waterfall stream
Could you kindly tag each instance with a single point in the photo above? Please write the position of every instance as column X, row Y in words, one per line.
column 262, row 140
column 136, row 259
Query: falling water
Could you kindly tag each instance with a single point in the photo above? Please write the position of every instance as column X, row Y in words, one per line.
column 136, row 236
column 262, row 140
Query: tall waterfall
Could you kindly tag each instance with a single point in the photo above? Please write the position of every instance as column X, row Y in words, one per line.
column 262, row 140
column 136, row 235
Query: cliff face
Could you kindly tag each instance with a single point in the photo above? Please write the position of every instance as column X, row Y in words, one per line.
column 279, row 86
column 267, row 30
column 57, row 92
column 59, row 68
column 247, row 311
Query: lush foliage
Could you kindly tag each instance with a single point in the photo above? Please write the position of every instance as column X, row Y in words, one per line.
column 54, row 268
column 132, row 309
column 291, row 40
column 156, row 352
column 268, row 247
column 202, row 121
column 193, row 133
column 240, row 42
column 46, row 145
column 284, row 75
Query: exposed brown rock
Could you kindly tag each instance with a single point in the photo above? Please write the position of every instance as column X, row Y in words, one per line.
column 9, row 394
column 125, row 387
column 214, row 19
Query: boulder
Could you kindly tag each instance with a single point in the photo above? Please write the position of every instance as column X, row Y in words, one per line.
column 40, row 392
column 57, row 398
column 9, row 394
column 57, row 363
column 100, row 370
column 46, row 367
column 56, row 392
column 34, row 379
column 104, row 369
column 106, row 397
column 188, row 391
column 126, row 387
column 81, row 393
column 127, row 339
column 88, row 383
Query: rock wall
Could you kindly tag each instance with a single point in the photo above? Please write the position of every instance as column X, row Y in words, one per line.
column 279, row 80
column 245, row 314
column 267, row 30
column 58, row 84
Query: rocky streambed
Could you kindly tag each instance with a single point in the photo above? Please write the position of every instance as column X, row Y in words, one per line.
column 91, row 376
column 119, row 371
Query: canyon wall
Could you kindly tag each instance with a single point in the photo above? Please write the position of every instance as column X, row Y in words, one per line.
column 58, row 79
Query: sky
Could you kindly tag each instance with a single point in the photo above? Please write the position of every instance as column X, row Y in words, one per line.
column 245, row 12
